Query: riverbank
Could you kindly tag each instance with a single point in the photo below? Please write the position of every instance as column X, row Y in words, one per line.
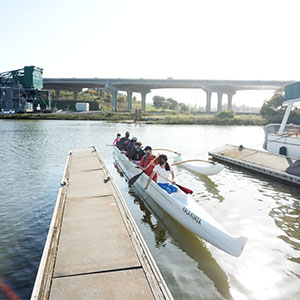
column 147, row 118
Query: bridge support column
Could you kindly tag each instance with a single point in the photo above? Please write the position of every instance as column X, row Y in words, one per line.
column 114, row 99
column 129, row 98
column 208, row 101
column 57, row 94
column 49, row 99
column 75, row 95
column 220, row 95
column 229, row 105
column 144, row 94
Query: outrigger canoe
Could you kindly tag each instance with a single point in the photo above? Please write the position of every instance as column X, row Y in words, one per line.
column 200, row 167
column 184, row 210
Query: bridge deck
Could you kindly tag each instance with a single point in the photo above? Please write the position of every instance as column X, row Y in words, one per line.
column 138, row 85
column 94, row 249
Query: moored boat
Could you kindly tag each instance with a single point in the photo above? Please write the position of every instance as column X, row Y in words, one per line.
column 199, row 166
column 184, row 210
column 284, row 138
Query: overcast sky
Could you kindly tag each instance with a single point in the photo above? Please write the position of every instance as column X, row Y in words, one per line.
column 212, row 39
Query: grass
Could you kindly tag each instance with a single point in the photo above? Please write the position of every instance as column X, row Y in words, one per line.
column 207, row 119
column 150, row 117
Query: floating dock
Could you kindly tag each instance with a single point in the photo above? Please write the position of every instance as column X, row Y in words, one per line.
column 94, row 249
column 259, row 161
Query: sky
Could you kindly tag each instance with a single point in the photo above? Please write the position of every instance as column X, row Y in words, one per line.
column 212, row 39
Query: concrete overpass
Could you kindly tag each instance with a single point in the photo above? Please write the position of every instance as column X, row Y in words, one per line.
column 144, row 86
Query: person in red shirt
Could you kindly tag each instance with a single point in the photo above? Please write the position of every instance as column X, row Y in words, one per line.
column 148, row 162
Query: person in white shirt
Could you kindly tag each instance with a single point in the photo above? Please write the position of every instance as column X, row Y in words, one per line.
column 163, row 171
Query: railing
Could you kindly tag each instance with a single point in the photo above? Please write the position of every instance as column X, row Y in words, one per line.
column 289, row 130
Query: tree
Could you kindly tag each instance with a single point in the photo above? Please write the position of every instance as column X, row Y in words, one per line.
column 183, row 107
column 121, row 98
column 165, row 104
column 90, row 91
column 108, row 98
column 273, row 106
column 173, row 104
column 158, row 101
column 225, row 114
column 101, row 92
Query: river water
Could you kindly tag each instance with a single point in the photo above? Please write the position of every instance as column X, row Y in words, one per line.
column 33, row 155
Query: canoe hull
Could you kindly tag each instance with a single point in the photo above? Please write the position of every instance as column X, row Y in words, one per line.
column 184, row 210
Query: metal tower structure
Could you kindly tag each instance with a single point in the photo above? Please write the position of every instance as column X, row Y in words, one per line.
column 20, row 90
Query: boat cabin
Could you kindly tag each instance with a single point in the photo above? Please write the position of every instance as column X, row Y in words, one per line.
column 284, row 138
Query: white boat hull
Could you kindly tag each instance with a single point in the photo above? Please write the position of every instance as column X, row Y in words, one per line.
column 284, row 138
column 184, row 210
column 203, row 168
column 275, row 142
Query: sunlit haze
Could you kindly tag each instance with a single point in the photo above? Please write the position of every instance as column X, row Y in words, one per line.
column 253, row 40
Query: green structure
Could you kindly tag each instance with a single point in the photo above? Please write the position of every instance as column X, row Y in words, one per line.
column 292, row 91
column 29, row 77
column 21, row 90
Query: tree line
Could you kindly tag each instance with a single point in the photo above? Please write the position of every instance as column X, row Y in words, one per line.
column 272, row 109
column 169, row 103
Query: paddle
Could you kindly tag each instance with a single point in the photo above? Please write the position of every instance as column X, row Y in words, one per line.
column 184, row 161
column 136, row 177
column 166, row 150
column 184, row 189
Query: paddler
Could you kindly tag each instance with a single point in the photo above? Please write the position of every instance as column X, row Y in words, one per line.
column 148, row 161
column 122, row 143
column 163, row 172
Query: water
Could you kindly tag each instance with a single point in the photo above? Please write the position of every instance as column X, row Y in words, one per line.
column 33, row 155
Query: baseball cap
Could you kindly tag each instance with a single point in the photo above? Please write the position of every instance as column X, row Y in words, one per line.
column 147, row 148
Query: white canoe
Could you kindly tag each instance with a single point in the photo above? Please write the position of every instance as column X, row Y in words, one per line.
column 184, row 210
column 204, row 168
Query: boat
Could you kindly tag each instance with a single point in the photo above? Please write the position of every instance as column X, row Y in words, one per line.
column 284, row 138
column 183, row 209
column 199, row 166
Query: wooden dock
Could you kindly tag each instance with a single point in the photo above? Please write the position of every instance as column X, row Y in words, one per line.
column 259, row 161
column 94, row 249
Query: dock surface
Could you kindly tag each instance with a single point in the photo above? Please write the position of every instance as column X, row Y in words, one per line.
column 94, row 249
column 256, row 160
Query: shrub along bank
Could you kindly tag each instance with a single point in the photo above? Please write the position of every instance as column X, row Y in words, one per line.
column 147, row 118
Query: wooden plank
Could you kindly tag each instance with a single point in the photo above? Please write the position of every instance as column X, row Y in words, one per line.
column 128, row 284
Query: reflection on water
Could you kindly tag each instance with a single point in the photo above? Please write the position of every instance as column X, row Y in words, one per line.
column 32, row 159
column 210, row 187
column 287, row 219
column 160, row 235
